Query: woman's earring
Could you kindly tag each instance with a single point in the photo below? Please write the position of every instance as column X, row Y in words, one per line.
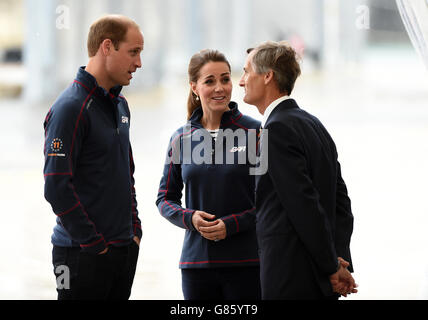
column 197, row 98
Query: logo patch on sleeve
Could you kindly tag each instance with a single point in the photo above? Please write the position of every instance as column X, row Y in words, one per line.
column 56, row 147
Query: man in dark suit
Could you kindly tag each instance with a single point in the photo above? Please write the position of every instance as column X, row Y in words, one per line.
column 304, row 218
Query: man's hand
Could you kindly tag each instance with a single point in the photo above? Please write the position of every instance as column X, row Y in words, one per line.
column 342, row 281
column 104, row 251
column 137, row 240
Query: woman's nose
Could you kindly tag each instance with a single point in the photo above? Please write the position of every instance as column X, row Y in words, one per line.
column 218, row 87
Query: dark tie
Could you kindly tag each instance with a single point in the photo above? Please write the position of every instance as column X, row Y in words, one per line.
column 258, row 141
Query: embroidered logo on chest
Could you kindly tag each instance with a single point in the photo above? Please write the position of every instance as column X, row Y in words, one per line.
column 238, row 149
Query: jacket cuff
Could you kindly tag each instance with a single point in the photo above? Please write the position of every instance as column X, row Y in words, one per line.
column 231, row 224
column 94, row 247
column 187, row 220
column 334, row 269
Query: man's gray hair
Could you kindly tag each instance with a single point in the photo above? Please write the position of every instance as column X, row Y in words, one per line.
column 279, row 57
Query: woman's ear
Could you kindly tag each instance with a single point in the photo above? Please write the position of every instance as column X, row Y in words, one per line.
column 193, row 87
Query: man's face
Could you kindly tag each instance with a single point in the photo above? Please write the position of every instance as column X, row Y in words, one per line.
column 253, row 83
column 126, row 60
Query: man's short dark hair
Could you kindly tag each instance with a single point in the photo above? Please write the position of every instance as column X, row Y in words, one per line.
column 113, row 27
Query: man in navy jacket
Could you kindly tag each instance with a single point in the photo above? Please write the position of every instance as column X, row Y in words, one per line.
column 89, row 169
column 304, row 219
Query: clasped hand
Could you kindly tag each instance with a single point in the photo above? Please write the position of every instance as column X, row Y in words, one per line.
column 342, row 281
column 208, row 228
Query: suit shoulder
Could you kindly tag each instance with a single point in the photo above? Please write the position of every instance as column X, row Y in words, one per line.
column 294, row 117
column 312, row 120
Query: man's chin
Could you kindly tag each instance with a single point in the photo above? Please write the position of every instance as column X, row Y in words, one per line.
column 247, row 101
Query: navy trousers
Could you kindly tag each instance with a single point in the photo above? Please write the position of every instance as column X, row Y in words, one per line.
column 239, row 283
column 84, row 276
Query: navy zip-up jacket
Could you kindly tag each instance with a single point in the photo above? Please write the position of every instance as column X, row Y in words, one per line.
column 89, row 167
column 214, row 185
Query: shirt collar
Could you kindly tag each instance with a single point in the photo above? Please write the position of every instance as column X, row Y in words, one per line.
column 271, row 107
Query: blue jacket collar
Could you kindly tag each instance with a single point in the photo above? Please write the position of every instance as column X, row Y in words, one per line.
column 228, row 116
column 89, row 82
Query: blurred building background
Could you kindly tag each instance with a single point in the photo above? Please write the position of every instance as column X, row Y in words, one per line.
column 46, row 39
column 361, row 77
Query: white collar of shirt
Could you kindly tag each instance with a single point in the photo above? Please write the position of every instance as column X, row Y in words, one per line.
column 271, row 107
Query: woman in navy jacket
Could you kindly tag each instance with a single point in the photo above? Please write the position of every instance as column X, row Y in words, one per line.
column 212, row 157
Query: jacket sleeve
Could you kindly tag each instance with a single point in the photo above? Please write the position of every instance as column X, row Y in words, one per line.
column 287, row 168
column 64, row 133
column 344, row 220
column 240, row 221
column 136, row 222
column 170, row 189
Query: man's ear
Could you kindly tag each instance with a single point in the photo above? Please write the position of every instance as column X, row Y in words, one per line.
column 269, row 76
column 106, row 47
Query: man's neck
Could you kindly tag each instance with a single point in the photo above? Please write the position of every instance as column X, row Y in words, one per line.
column 98, row 72
column 268, row 99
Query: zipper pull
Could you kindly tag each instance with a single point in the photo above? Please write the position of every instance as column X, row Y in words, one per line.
column 117, row 129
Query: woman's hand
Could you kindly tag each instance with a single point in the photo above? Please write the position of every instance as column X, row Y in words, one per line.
column 200, row 219
column 210, row 230
column 215, row 232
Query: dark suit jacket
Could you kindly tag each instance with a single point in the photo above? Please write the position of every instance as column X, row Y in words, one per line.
column 304, row 218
